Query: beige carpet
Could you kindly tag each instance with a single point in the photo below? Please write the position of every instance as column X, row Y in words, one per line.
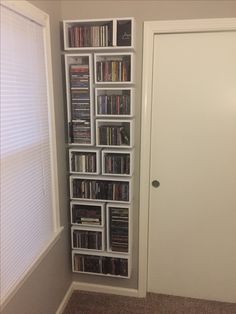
column 98, row 303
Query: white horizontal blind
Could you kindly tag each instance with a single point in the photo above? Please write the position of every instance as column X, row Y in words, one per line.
column 26, row 192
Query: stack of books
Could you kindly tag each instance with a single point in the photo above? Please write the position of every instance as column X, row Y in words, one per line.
column 119, row 229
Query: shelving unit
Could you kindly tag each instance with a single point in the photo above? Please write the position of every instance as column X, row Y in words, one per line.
column 100, row 110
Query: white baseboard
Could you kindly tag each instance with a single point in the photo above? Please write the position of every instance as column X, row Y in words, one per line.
column 105, row 289
column 65, row 300
column 95, row 288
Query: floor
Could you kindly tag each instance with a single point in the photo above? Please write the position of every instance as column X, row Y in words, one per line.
column 98, row 303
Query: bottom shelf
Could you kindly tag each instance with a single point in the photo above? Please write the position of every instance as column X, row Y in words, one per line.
column 105, row 265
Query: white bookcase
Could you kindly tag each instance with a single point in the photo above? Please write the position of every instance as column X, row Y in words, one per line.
column 111, row 33
column 99, row 70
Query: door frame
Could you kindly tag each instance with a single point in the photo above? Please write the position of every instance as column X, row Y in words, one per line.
column 150, row 30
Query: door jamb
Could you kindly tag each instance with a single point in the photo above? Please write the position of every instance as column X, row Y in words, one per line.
column 150, row 30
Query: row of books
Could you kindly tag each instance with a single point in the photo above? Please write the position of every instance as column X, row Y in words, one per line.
column 86, row 214
column 83, row 239
column 117, row 163
column 113, row 104
column 84, row 162
column 101, row 190
column 90, row 36
column 113, row 135
column 78, row 113
column 80, row 132
column 101, row 265
column 119, row 229
column 113, row 70
column 80, row 105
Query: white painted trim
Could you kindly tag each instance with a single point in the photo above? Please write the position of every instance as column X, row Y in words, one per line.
column 26, row 9
column 105, row 289
column 52, row 126
column 65, row 300
column 94, row 288
column 150, row 29
column 34, row 265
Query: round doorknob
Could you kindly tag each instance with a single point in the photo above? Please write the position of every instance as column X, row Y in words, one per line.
column 155, row 183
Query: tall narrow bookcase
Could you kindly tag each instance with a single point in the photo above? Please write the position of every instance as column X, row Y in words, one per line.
column 99, row 68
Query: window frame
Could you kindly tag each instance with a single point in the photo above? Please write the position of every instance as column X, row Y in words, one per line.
column 29, row 11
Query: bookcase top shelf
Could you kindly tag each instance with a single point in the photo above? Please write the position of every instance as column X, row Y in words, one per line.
column 99, row 34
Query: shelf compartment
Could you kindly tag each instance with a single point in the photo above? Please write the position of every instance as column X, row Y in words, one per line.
column 110, row 265
column 124, row 31
column 87, row 238
column 108, row 33
column 114, row 102
column 85, row 161
column 117, row 162
column 101, row 188
column 114, row 133
column 88, row 33
column 113, row 68
column 88, row 214
column 79, row 75
column 118, row 228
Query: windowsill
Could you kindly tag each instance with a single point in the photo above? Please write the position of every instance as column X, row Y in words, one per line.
column 18, row 285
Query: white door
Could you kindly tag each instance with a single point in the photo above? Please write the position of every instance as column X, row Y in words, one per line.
column 192, row 215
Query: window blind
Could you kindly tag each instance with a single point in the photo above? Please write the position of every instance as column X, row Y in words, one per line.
column 26, row 191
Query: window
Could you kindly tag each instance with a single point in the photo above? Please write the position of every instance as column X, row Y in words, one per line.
column 29, row 209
